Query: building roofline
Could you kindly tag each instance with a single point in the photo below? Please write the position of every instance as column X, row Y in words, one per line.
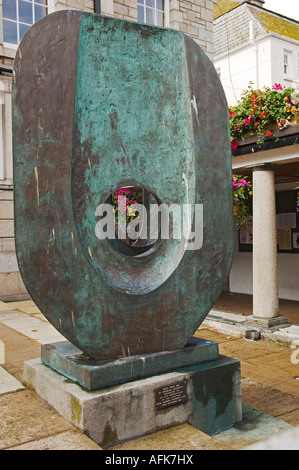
column 260, row 8
column 266, row 36
column 270, row 11
column 225, row 13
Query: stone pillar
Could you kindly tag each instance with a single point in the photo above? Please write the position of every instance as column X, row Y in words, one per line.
column 265, row 269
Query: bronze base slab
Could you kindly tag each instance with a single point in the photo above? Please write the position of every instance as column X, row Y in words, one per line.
column 68, row 360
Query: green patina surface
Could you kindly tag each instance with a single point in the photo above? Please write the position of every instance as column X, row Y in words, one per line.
column 133, row 109
column 132, row 103
column 133, row 122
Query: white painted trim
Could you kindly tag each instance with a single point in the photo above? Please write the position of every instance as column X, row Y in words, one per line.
column 166, row 13
column 50, row 6
column 283, row 155
column 291, row 79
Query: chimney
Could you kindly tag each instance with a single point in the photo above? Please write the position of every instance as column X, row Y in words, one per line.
column 259, row 3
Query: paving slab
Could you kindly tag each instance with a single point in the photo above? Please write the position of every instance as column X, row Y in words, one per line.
column 269, row 400
column 30, row 326
column 27, row 422
column 288, row 440
column 247, row 350
column 8, row 383
column 183, row 437
column 270, row 386
column 254, row 427
column 25, row 417
column 19, row 304
column 268, row 376
column 17, row 349
column 68, row 440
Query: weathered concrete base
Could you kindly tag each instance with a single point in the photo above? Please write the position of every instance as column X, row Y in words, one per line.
column 265, row 322
column 212, row 402
column 69, row 361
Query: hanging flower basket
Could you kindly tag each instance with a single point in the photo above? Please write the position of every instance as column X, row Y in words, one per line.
column 259, row 112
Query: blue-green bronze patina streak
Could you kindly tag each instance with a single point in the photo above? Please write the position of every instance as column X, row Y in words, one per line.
column 133, row 111
column 133, row 121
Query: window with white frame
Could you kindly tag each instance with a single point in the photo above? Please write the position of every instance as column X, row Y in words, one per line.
column 18, row 16
column 286, row 63
column 152, row 12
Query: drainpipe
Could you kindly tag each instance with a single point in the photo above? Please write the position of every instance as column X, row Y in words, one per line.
column 255, row 50
column 97, row 6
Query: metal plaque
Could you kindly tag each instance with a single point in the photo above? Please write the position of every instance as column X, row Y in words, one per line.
column 170, row 395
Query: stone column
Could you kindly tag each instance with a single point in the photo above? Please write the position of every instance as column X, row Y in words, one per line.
column 265, row 269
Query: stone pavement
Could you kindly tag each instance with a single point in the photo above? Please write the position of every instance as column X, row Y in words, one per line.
column 270, row 390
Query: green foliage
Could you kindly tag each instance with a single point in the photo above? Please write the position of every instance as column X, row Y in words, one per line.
column 242, row 194
column 259, row 110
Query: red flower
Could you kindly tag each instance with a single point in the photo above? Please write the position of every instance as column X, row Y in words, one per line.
column 268, row 133
column 234, row 145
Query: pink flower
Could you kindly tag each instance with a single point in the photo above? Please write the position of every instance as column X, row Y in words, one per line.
column 248, row 121
column 277, row 87
column 234, row 145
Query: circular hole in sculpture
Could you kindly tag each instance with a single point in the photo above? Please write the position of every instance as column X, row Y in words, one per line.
column 136, row 233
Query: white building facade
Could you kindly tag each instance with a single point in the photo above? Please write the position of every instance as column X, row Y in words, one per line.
column 254, row 45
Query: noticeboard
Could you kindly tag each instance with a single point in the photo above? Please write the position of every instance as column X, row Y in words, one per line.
column 287, row 225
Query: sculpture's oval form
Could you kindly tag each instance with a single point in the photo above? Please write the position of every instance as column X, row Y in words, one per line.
column 98, row 104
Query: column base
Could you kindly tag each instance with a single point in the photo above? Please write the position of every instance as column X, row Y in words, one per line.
column 267, row 322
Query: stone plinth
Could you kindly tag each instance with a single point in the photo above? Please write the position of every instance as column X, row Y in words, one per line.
column 206, row 395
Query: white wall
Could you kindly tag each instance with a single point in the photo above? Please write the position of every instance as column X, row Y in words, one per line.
column 240, row 280
column 251, row 64
column 260, row 63
column 278, row 47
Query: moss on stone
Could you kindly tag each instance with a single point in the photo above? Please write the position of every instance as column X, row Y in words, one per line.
column 76, row 410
